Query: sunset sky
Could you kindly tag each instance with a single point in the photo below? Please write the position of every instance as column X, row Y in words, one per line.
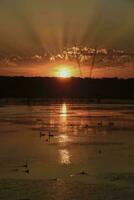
column 28, row 28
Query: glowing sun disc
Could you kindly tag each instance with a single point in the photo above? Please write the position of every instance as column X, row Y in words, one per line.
column 64, row 72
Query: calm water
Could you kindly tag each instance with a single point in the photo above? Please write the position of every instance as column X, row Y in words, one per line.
column 73, row 151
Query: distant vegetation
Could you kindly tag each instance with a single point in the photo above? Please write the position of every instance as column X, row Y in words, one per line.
column 38, row 87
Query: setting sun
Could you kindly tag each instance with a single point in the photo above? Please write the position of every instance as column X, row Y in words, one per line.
column 64, row 72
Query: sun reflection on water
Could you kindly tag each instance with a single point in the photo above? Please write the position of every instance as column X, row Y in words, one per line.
column 63, row 110
column 63, row 138
column 63, row 118
column 64, row 156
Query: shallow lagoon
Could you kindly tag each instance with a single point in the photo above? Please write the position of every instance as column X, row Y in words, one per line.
column 73, row 151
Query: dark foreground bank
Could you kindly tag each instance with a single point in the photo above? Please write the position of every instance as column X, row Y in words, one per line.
column 61, row 189
column 43, row 87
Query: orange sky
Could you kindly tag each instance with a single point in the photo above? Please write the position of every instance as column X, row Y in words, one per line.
column 68, row 69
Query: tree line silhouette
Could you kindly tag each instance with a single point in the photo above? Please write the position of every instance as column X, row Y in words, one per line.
column 45, row 87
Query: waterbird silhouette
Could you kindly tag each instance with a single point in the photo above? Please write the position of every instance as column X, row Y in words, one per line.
column 54, row 179
column 100, row 152
column 87, row 126
column 99, row 124
column 42, row 134
column 83, row 173
column 25, row 165
column 26, row 171
column 80, row 173
column 50, row 134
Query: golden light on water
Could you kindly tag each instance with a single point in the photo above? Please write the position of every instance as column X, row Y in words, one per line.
column 63, row 117
column 63, row 138
column 63, row 110
column 64, row 156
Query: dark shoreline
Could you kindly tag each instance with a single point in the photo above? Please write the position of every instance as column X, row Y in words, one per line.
column 94, row 90
column 49, row 101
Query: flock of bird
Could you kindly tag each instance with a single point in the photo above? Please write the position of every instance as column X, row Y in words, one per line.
column 25, row 168
column 101, row 125
column 50, row 135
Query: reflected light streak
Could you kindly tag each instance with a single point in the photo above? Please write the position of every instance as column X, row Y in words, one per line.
column 63, row 117
column 64, row 156
column 63, row 110
column 63, row 138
